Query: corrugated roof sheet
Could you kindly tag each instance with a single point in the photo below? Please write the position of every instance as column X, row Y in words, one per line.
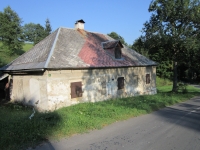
column 70, row 48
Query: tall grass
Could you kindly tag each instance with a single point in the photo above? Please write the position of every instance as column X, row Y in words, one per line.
column 162, row 82
column 18, row 131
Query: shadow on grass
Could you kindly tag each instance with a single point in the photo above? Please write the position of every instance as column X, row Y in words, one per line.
column 19, row 132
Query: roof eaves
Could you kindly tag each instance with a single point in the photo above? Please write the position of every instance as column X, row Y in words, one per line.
column 3, row 76
column 110, row 41
column 52, row 49
column 24, row 70
column 102, row 43
column 100, row 67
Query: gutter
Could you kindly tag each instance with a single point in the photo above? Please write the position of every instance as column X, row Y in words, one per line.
column 29, row 70
column 78, row 68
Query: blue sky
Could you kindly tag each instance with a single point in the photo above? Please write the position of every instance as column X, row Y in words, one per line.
column 104, row 16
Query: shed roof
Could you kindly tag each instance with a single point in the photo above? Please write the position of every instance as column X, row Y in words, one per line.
column 71, row 49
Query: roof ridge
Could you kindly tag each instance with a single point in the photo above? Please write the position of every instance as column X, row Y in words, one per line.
column 83, row 29
column 67, row 28
column 52, row 48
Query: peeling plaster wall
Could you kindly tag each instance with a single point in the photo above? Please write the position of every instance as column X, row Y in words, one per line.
column 51, row 90
column 98, row 84
column 30, row 90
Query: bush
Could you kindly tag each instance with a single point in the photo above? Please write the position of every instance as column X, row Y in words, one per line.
column 182, row 87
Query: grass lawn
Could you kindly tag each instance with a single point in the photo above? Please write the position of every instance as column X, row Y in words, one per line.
column 5, row 58
column 18, row 131
column 27, row 46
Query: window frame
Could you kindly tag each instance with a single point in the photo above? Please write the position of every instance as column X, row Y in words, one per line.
column 120, row 83
column 135, row 80
column 76, row 89
column 118, row 52
column 148, row 78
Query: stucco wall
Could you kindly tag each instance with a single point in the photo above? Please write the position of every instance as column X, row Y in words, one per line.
column 51, row 90
column 30, row 90
column 98, row 85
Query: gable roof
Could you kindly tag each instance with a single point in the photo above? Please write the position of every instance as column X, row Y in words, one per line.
column 69, row 48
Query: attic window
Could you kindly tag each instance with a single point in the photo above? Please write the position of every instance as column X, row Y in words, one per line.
column 118, row 53
column 76, row 89
column 120, row 82
column 147, row 78
column 113, row 48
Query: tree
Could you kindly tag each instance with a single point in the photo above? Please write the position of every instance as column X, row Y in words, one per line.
column 39, row 34
column 29, row 32
column 47, row 27
column 36, row 32
column 154, row 48
column 116, row 36
column 139, row 45
column 33, row 33
column 175, row 24
column 11, row 30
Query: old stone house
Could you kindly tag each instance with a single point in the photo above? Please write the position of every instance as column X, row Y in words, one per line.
column 73, row 65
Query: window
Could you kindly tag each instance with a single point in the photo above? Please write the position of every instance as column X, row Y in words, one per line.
column 147, row 78
column 120, row 84
column 118, row 53
column 76, row 89
column 135, row 80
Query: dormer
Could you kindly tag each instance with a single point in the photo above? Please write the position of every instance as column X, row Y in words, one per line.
column 113, row 48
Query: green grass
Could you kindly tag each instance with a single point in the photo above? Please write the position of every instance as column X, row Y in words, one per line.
column 27, row 46
column 6, row 58
column 162, row 82
column 18, row 131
